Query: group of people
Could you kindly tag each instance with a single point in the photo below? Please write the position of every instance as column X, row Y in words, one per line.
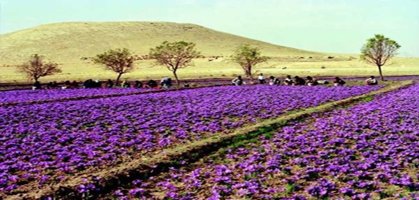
column 309, row 81
column 166, row 82
column 54, row 85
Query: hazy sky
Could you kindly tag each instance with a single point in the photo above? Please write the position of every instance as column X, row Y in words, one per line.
column 340, row 26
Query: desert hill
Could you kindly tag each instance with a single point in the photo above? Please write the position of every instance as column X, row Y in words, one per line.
column 68, row 42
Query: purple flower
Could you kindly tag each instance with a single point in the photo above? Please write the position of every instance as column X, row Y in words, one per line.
column 136, row 192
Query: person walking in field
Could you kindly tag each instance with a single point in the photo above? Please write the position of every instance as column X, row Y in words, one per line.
column 371, row 81
column 338, row 82
column 261, row 79
column 237, row 81
column 288, row 80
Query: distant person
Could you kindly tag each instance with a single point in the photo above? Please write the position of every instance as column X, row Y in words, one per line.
column 138, row 84
column 371, row 81
column 66, row 85
column 277, row 81
column 52, row 85
column 271, row 80
column 125, row 84
column 186, row 84
column 170, row 82
column 109, row 83
column 166, row 83
column 74, row 84
column 55, row 84
column 311, row 81
column 288, row 80
column 88, row 83
column 299, row 81
column 237, row 81
column 338, row 82
column 323, row 82
column 274, row 81
column 261, row 79
column 37, row 86
column 151, row 84
column 96, row 84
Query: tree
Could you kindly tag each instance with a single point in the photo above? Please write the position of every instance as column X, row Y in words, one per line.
column 248, row 57
column 121, row 61
column 174, row 55
column 36, row 68
column 378, row 50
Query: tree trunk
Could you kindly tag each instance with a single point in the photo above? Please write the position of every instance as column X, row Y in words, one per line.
column 249, row 72
column 381, row 73
column 177, row 80
column 117, row 79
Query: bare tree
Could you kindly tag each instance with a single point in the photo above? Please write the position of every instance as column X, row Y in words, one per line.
column 121, row 61
column 247, row 57
column 174, row 55
column 36, row 68
column 378, row 50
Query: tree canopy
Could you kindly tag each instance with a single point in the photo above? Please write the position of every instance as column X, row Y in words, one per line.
column 36, row 68
column 174, row 55
column 120, row 61
column 378, row 50
column 248, row 57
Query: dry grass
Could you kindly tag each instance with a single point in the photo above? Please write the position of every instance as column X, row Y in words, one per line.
column 224, row 69
column 67, row 43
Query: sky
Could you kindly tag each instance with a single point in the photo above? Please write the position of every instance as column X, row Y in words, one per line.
column 335, row 26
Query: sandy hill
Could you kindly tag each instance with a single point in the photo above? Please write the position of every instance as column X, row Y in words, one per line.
column 68, row 42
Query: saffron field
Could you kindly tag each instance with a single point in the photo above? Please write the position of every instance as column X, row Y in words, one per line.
column 368, row 150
